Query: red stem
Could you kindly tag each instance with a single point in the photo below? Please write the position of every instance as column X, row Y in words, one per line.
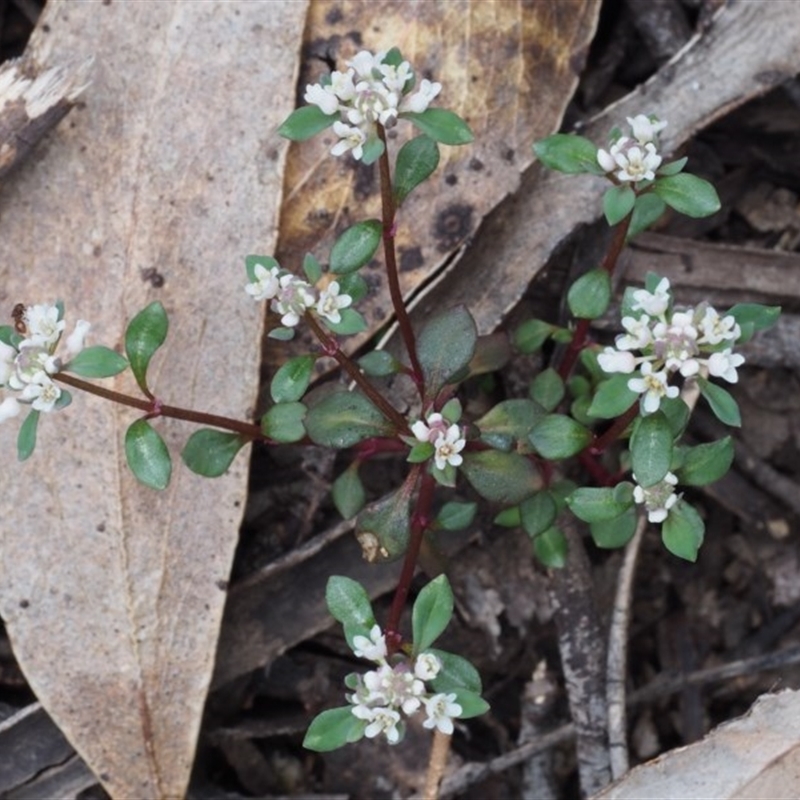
column 420, row 520
column 388, row 211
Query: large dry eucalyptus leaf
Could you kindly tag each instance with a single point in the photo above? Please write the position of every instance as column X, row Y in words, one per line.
column 756, row 757
column 154, row 189
column 508, row 68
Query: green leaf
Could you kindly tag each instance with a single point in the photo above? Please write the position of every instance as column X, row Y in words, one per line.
column 333, row 729
column 431, row 613
column 531, row 335
column 356, row 246
column 10, row 337
column 281, row 334
column 379, row 364
column 445, row 346
column 615, row 532
column 547, row 389
column 550, row 548
column 145, row 334
column 456, row 673
column 618, row 202
column 647, row 210
column 372, row 151
column 682, row 531
column 706, row 463
column 147, row 455
column 383, row 528
column 754, row 317
column 558, row 436
column 651, row 448
column 354, row 285
column 509, row 518
column 672, row 168
column 538, row 513
column 348, row 492
column 210, row 452
column 499, row 477
column 251, row 262
column 566, row 152
column 455, row 516
column 312, row 268
column 441, row 125
column 688, row 195
column 97, row 362
column 421, row 451
column 343, row 419
column 305, row 122
column 472, row 704
column 349, row 603
column 599, row 504
column 722, row 403
column 589, row 296
column 509, row 421
column 284, row 422
column 290, row 382
column 351, row 322
column 612, row 398
column 677, row 414
column 26, row 438
column 416, row 161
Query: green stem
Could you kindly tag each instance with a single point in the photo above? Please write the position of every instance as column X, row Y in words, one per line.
column 388, row 212
column 154, row 408
column 331, row 348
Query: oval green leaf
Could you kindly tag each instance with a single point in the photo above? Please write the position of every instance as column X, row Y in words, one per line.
column 305, row 122
column 612, row 398
column 567, row 152
column 97, row 362
column 333, row 729
column 499, row 477
column 456, row 673
column 145, row 334
column 147, row 455
column 725, row 408
column 589, row 296
column 538, row 513
column 284, row 422
column 441, row 125
column 445, row 346
column 558, row 436
column 682, row 531
column 416, row 161
column 550, row 548
column 348, row 492
column 651, row 448
column 598, row 504
column 431, row 613
column 618, row 202
column 210, row 452
column 706, row 463
column 290, row 382
column 356, row 246
column 349, row 603
column 646, row 212
column 26, row 438
column 688, row 195
column 343, row 419
column 615, row 532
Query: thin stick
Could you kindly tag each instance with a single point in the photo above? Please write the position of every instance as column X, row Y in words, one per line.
column 618, row 656
column 436, row 764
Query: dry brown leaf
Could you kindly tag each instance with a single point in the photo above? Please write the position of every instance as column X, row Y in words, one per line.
column 755, row 757
column 509, row 68
column 112, row 593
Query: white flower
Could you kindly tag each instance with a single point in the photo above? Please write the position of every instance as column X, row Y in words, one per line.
column 656, row 303
column 381, row 720
column 715, row 329
column 266, row 283
column 372, row 103
column 293, row 298
column 7, row 356
column 365, row 63
column 676, row 343
column 645, row 129
column 658, row 499
column 606, row 160
column 43, row 325
column 441, row 709
column 331, row 302
column 323, row 97
column 9, row 408
column 611, row 360
column 350, row 138
column 75, row 341
column 421, row 99
column 635, row 162
column 372, row 648
column 448, row 448
column 638, row 334
column 43, row 394
column 724, row 364
column 430, row 432
column 653, row 385
column 396, row 78
column 427, row 666
column 32, row 364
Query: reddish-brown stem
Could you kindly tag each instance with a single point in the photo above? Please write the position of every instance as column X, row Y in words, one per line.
column 156, row 408
column 388, row 211
column 331, row 348
column 420, row 520
column 613, row 433
column 579, row 337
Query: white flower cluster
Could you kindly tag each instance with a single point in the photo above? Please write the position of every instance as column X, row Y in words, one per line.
column 658, row 499
column 381, row 694
column 448, row 440
column 368, row 93
column 26, row 367
column 634, row 158
column 291, row 296
column 669, row 342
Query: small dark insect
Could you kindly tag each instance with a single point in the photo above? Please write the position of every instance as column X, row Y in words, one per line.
column 153, row 276
column 18, row 315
